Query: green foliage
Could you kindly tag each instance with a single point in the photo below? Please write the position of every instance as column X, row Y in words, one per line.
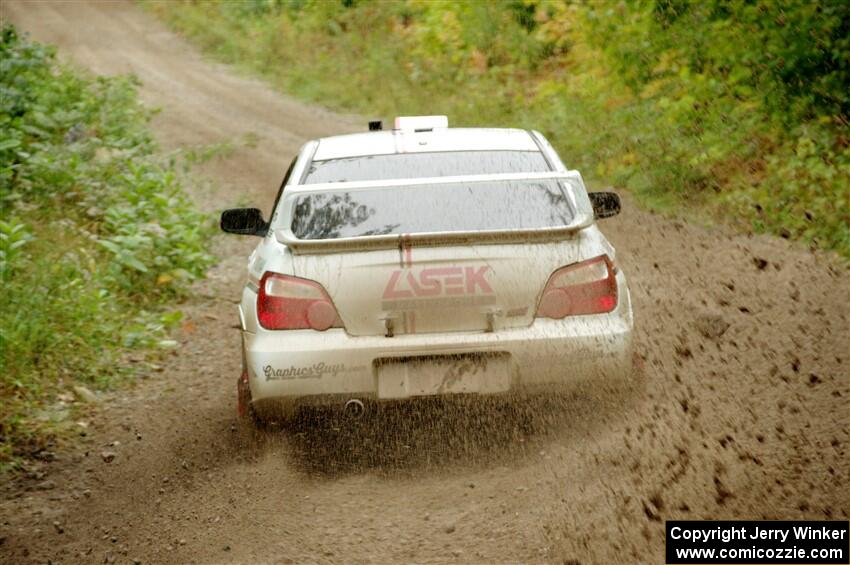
column 96, row 236
column 738, row 108
column 745, row 104
column 13, row 236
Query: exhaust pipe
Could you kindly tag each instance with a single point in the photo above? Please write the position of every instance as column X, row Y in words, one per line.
column 354, row 409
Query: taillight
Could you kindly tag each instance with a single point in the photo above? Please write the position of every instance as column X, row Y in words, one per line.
column 290, row 303
column 588, row 287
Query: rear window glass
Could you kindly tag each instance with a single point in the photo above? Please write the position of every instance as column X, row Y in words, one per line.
column 419, row 165
column 450, row 207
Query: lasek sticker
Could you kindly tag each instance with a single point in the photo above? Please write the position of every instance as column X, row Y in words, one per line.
column 437, row 281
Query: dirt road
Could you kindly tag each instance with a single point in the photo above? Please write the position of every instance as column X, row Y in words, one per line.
column 738, row 407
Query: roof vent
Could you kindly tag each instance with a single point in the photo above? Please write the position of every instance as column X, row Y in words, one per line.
column 376, row 125
column 421, row 123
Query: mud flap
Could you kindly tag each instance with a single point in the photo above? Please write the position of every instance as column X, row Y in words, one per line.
column 243, row 395
column 243, row 389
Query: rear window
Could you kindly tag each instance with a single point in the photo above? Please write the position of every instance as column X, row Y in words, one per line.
column 420, row 165
column 449, row 207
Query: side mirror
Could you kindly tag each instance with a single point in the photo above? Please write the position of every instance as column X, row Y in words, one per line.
column 244, row 221
column 605, row 204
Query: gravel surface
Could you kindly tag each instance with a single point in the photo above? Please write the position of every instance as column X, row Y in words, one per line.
column 738, row 407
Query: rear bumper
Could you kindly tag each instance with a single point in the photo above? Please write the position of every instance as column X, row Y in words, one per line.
column 311, row 366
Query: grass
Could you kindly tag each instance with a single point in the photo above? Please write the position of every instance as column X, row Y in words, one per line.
column 98, row 242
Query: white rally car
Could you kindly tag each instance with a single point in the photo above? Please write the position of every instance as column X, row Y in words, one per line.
column 428, row 260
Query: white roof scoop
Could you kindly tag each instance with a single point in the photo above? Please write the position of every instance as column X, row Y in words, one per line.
column 420, row 123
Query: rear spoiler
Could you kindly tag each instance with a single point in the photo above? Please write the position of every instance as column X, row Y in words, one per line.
column 578, row 199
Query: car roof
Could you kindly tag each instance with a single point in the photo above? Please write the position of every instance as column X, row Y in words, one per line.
column 438, row 139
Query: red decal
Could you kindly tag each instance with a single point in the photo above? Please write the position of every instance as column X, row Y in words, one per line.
column 408, row 251
column 431, row 281
column 476, row 278
column 411, row 280
column 390, row 292
column 405, row 283
column 454, row 284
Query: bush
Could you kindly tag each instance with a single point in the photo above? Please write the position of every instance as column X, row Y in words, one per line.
column 96, row 237
column 735, row 108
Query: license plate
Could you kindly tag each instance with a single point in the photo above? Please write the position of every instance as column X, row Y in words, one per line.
column 426, row 376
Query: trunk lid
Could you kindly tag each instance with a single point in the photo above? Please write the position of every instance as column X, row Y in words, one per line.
column 463, row 253
column 436, row 289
